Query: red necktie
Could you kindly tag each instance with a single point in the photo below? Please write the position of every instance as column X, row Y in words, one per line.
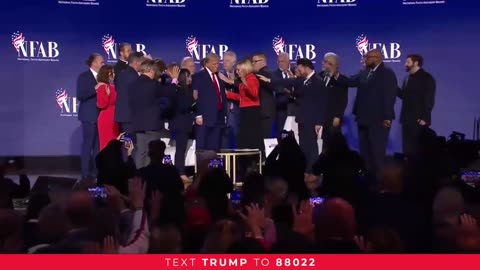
column 217, row 88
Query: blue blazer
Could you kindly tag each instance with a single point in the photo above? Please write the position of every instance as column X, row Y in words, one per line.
column 312, row 99
column 207, row 98
column 282, row 100
column 145, row 101
column 124, row 80
column 87, row 95
column 376, row 95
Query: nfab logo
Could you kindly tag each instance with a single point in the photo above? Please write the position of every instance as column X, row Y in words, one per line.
column 295, row 51
column 391, row 51
column 249, row 3
column 166, row 3
column 68, row 105
column 199, row 51
column 33, row 50
column 336, row 3
column 110, row 48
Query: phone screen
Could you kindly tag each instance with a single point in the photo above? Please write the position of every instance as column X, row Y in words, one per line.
column 471, row 178
column 216, row 163
column 98, row 192
column 235, row 198
column 167, row 159
column 316, row 200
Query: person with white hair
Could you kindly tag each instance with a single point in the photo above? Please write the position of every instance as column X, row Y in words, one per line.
column 337, row 93
column 188, row 63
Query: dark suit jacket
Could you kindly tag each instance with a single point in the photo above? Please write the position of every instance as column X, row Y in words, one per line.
column 145, row 100
column 183, row 114
column 337, row 99
column 282, row 99
column 267, row 98
column 375, row 96
column 124, row 80
column 87, row 95
column 312, row 99
column 207, row 98
column 119, row 67
column 418, row 95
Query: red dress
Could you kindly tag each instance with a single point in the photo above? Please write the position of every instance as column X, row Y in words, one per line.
column 107, row 128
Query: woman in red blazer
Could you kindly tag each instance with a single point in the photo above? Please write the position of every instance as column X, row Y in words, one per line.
column 248, row 136
column 106, row 99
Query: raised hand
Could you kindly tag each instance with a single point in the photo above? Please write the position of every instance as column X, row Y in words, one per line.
column 173, row 73
column 303, row 219
column 136, row 190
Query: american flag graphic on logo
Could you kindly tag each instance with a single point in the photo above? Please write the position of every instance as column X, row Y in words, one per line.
column 108, row 42
column 61, row 97
column 192, row 43
column 278, row 44
column 362, row 44
column 18, row 39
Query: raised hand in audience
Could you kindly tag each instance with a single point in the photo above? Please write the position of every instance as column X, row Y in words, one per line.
column 136, row 190
column 255, row 219
column 110, row 246
column 468, row 223
column 303, row 219
column 115, row 198
column 364, row 245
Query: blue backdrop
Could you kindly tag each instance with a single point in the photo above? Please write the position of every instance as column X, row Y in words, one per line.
column 44, row 45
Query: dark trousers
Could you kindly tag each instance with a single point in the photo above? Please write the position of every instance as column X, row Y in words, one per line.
column 181, row 141
column 267, row 126
column 90, row 148
column 230, row 132
column 280, row 119
column 410, row 137
column 373, row 145
column 141, row 147
column 308, row 143
column 210, row 137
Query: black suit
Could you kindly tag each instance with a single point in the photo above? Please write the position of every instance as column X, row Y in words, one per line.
column 337, row 102
column 119, row 67
column 182, row 123
column 147, row 106
column 267, row 103
column 373, row 105
column 312, row 98
column 418, row 95
column 124, row 80
column 285, row 104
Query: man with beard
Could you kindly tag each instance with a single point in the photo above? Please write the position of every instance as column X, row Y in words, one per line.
column 418, row 96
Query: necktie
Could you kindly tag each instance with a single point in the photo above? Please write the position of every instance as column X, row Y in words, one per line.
column 370, row 74
column 217, row 89
column 285, row 75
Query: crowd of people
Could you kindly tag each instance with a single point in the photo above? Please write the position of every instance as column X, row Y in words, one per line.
column 129, row 200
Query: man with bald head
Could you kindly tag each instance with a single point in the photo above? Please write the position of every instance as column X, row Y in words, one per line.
column 373, row 108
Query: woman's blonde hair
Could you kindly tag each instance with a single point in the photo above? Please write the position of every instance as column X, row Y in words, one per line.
column 245, row 66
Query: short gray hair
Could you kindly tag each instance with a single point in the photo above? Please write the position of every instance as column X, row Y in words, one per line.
column 230, row 53
column 284, row 53
column 185, row 59
column 334, row 56
column 147, row 66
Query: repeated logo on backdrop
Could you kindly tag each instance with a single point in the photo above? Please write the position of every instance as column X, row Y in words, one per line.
column 111, row 48
column 295, row 51
column 198, row 50
column 34, row 50
column 80, row 2
column 391, row 51
column 249, row 3
column 336, row 3
column 166, row 3
column 423, row 2
column 68, row 105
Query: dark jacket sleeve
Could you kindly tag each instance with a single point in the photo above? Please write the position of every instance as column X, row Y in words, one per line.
column 430, row 89
column 84, row 90
column 389, row 95
column 200, row 101
column 353, row 81
column 340, row 101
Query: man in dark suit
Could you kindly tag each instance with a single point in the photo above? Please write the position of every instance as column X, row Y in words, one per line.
column 211, row 105
column 233, row 116
column 267, row 96
column 373, row 108
column 418, row 96
column 312, row 110
column 124, row 80
column 144, row 97
column 337, row 96
column 88, row 114
column 285, row 102
column 125, row 50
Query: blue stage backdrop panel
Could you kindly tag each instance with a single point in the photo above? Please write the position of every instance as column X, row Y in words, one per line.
column 44, row 45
